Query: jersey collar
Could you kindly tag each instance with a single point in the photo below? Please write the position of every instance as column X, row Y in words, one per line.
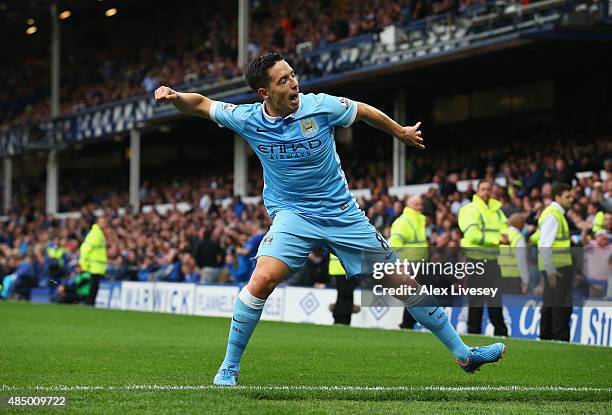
column 293, row 115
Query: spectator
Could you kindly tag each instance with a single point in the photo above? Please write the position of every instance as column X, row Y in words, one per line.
column 598, row 255
column 208, row 257
column 150, row 82
column 239, row 268
column 563, row 173
column 377, row 215
column 26, row 276
column 238, row 207
column 76, row 289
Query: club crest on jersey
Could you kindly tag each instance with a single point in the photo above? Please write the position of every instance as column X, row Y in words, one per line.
column 309, row 127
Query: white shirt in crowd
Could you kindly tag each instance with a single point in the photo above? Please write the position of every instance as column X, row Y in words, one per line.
column 205, row 203
column 521, row 257
column 548, row 233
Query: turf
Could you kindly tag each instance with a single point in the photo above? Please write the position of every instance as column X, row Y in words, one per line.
column 121, row 356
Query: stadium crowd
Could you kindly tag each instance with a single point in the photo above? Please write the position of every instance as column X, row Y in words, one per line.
column 214, row 241
column 444, row 164
column 198, row 44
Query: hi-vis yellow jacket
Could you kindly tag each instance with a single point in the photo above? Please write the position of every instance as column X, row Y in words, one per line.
column 482, row 225
column 560, row 249
column 507, row 256
column 598, row 222
column 335, row 267
column 93, row 252
column 408, row 235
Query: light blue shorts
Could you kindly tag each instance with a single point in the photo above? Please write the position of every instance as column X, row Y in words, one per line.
column 351, row 238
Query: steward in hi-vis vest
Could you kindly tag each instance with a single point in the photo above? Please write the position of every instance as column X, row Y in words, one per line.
column 344, row 307
column 512, row 257
column 484, row 226
column 409, row 241
column 93, row 256
column 555, row 261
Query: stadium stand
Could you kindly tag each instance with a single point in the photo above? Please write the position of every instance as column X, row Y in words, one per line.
column 346, row 36
column 329, row 40
column 203, row 51
column 167, row 246
column 130, row 217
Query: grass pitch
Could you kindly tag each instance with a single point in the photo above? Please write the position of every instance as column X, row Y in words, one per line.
column 107, row 361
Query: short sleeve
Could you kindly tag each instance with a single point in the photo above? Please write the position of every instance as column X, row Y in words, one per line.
column 228, row 115
column 340, row 111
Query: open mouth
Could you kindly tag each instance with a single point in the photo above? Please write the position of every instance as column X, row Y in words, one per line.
column 294, row 98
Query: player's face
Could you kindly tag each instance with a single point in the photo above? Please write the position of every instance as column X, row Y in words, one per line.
column 283, row 90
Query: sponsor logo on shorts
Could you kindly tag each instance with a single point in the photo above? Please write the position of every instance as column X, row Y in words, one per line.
column 267, row 240
column 344, row 102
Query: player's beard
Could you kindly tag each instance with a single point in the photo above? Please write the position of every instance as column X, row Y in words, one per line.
column 283, row 105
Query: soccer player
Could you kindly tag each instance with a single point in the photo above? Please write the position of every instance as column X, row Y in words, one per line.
column 307, row 196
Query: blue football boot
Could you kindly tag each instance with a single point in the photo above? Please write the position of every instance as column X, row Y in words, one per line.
column 480, row 355
column 226, row 377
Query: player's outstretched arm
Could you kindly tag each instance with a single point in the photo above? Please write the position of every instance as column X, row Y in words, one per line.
column 410, row 135
column 186, row 102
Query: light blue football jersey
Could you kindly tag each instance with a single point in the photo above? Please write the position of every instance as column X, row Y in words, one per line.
column 301, row 167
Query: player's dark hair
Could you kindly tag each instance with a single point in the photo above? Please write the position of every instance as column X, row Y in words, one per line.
column 257, row 72
column 559, row 188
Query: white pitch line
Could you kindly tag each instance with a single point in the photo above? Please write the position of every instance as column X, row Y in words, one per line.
column 309, row 388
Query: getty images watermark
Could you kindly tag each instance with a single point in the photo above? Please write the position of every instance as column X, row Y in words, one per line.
column 553, row 278
column 398, row 278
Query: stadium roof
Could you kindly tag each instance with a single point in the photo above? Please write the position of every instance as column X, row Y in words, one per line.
column 14, row 14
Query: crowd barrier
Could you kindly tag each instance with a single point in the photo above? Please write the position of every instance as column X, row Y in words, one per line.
column 590, row 324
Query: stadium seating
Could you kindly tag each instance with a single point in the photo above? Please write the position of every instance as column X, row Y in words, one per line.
column 20, row 232
column 401, row 40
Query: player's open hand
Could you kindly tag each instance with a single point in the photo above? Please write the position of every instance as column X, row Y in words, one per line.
column 164, row 93
column 411, row 135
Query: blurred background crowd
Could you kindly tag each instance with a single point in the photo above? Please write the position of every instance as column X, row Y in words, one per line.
column 205, row 234
column 199, row 43
column 213, row 238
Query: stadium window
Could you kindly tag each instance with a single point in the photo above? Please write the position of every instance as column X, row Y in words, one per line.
column 534, row 96
column 518, row 98
column 490, row 103
column 451, row 109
